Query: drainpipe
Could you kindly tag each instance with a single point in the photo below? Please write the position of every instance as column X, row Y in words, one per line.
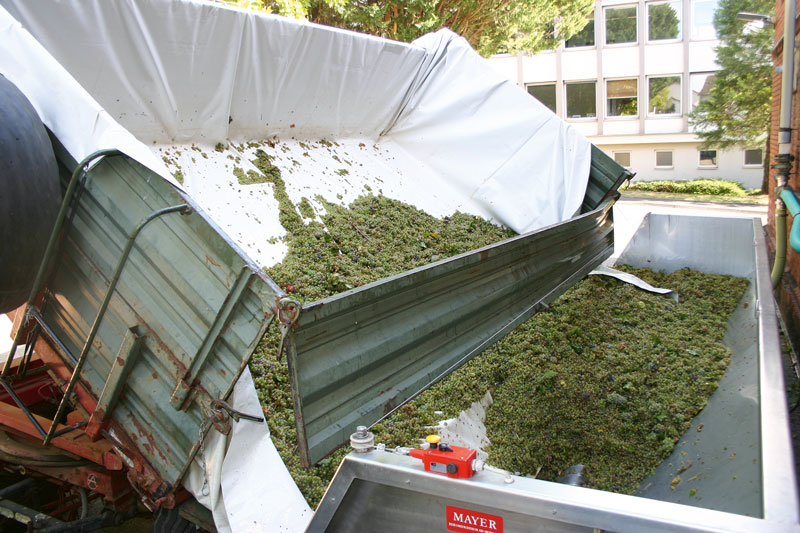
column 783, row 161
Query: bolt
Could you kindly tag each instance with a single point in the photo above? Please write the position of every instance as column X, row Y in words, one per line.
column 362, row 440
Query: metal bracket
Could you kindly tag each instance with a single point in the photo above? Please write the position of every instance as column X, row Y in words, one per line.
column 226, row 310
column 288, row 313
column 119, row 372
column 222, row 413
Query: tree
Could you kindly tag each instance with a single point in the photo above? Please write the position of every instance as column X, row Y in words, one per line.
column 489, row 25
column 737, row 110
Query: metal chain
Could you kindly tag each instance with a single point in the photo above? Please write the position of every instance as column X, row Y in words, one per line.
column 204, row 426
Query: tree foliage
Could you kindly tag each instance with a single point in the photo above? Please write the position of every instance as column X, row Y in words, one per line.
column 737, row 110
column 490, row 26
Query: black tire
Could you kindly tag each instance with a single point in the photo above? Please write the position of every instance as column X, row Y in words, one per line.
column 170, row 521
column 30, row 194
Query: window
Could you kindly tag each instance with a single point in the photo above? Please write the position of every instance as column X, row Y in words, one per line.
column 623, row 158
column 663, row 21
column 708, row 158
column 664, row 95
column 545, row 93
column 585, row 37
column 703, row 19
column 701, row 85
column 620, row 25
column 621, row 98
column 753, row 158
column 581, row 101
column 663, row 158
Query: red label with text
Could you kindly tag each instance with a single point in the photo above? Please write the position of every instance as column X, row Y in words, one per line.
column 468, row 521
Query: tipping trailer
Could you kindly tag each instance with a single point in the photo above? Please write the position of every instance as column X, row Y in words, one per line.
column 149, row 297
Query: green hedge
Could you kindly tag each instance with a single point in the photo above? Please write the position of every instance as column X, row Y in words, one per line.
column 699, row 186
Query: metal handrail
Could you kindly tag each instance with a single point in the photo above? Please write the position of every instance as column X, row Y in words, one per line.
column 183, row 209
column 52, row 246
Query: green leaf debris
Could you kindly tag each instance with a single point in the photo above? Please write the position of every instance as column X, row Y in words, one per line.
column 608, row 377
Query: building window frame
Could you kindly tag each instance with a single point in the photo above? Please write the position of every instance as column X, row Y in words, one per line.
column 679, row 111
column 622, row 152
column 542, row 84
column 588, row 118
column 745, row 164
column 714, row 164
column 671, row 159
column 608, row 114
column 593, row 22
column 679, row 12
column 606, row 9
column 693, row 76
column 693, row 33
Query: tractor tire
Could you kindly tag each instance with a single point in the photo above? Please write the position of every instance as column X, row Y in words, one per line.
column 30, row 194
column 170, row 521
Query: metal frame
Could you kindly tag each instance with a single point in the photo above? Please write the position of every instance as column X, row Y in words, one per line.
column 369, row 488
column 377, row 487
column 201, row 338
column 183, row 209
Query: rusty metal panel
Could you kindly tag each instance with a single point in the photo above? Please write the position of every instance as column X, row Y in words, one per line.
column 357, row 356
column 196, row 303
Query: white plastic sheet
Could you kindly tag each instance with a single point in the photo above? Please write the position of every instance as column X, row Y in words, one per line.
column 625, row 277
column 429, row 123
column 242, row 478
column 191, row 72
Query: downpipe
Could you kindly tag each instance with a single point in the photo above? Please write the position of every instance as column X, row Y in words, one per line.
column 783, row 160
column 779, row 265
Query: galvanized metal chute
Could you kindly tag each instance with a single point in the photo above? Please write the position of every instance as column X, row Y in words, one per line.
column 753, row 491
column 356, row 357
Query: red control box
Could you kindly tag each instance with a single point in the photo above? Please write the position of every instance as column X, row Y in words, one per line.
column 451, row 461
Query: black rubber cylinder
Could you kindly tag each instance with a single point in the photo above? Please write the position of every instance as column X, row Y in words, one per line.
column 30, row 194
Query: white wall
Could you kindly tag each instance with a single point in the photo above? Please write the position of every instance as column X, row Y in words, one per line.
column 702, row 57
column 578, row 64
column 539, row 68
column 505, row 65
column 666, row 59
column 685, row 158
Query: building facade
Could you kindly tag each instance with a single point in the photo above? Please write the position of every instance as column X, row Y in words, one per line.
column 628, row 80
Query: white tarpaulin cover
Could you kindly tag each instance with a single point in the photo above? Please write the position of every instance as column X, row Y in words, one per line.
column 193, row 89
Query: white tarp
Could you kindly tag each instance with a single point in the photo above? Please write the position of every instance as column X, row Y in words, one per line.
column 344, row 114
column 188, row 72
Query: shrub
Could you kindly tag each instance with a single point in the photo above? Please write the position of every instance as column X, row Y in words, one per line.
column 698, row 186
